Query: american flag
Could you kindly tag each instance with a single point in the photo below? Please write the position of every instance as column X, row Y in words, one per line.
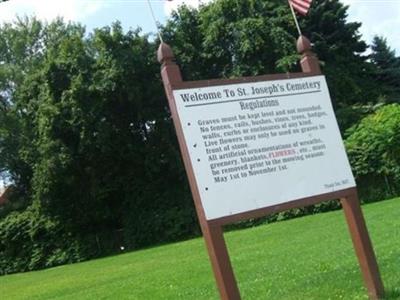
column 301, row 6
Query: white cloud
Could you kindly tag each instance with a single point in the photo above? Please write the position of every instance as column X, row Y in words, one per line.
column 378, row 18
column 174, row 4
column 71, row 10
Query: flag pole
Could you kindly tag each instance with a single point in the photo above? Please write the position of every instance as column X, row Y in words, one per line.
column 156, row 23
column 295, row 19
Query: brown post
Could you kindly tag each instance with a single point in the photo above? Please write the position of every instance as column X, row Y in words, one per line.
column 213, row 234
column 169, row 69
column 309, row 61
column 221, row 263
column 351, row 204
column 363, row 246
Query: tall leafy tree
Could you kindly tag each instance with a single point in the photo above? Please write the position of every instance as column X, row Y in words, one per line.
column 232, row 38
column 86, row 135
column 104, row 137
column 235, row 38
column 20, row 54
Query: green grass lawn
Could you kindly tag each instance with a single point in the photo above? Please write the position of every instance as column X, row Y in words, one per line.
column 305, row 258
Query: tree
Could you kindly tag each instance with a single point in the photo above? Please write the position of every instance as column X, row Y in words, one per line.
column 232, row 38
column 20, row 54
column 86, row 118
column 340, row 48
column 238, row 38
column 387, row 68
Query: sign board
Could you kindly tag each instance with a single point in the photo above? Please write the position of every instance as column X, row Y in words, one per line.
column 259, row 144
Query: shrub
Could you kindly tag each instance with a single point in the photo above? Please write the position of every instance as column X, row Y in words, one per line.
column 349, row 115
column 29, row 240
column 373, row 147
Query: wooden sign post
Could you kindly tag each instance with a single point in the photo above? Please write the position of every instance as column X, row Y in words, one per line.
column 243, row 140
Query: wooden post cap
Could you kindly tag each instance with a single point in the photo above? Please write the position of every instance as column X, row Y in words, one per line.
column 309, row 61
column 170, row 72
column 303, row 44
column 164, row 53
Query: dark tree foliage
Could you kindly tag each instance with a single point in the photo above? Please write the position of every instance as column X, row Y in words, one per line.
column 20, row 55
column 238, row 38
column 340, row 48
column 387, row 70
column 232, row 38
column 86, row 138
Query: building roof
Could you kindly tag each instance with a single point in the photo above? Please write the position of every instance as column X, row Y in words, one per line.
column 3, row 195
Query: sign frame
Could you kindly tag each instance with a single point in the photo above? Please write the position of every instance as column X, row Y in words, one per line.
column 213, row 229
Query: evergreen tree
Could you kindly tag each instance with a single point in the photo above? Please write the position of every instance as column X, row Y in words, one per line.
column 387, row 69
column 341, row 50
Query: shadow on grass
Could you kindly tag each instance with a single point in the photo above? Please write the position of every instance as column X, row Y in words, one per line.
column 392, row 294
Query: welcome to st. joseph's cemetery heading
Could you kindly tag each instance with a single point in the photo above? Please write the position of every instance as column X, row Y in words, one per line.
column 259, row 94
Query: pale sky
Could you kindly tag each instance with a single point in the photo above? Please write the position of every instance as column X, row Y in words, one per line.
column 381, row 17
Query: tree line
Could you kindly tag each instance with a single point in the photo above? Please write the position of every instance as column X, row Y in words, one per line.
column 86, row 138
